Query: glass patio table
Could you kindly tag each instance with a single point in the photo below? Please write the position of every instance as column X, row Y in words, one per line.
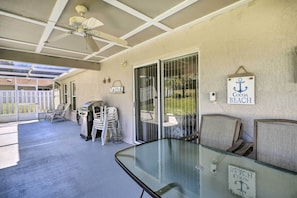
column 177, row 168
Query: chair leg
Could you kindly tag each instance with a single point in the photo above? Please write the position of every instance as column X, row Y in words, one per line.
column 104, row 134
column 142, row 193
column 94, row 133
column 114, row 132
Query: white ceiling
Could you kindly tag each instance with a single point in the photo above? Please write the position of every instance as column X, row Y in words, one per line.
column 25, row 26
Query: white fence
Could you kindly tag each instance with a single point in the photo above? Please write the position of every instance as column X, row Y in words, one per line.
column 15, row 102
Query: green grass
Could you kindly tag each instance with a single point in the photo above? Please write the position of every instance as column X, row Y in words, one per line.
column 180, row 106
column 177, row 103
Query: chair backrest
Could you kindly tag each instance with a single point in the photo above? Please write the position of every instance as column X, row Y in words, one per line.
column 112, row 115
column 66, row 107
column 108, row 115
column 98, row 111
column 219, row 131
column 275, row 142
column 60, row 107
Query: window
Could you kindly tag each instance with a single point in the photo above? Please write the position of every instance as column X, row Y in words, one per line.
column 65, row 94
column 73, row 95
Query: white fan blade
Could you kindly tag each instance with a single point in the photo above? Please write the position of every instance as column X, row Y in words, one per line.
column 108, row 37
column 92, row 23
column 56, row 38
column 91, row 43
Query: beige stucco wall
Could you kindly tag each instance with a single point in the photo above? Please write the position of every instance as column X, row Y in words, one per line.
column 261, row 36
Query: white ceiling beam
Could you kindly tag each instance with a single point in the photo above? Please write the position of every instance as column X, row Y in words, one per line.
column 149, row 21
column 137, row 14
column 4, row 73
column 47, row 60
column 101, row 50
column 18, row 17
column 43, row 75
column 47, row 47
column 174, row 9
column 55, row 15
column 13, row 73
column 21, row 77
column 17, row 42
column 17, row 67
column 48, row 70
column 14, row 67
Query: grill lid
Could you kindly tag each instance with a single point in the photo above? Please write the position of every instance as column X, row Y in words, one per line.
column 89, row 105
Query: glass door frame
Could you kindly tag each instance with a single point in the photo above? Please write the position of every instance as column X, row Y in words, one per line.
column 161, row 99
column 159, row 120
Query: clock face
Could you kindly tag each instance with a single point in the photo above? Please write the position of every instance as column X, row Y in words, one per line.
column 242, row 182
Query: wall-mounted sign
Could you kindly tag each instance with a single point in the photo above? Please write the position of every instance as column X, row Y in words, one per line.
column 242, row 182
column 117, row 89
column 241, row 88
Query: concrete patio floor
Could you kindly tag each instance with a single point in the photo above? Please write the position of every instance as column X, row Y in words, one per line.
column 40, row 159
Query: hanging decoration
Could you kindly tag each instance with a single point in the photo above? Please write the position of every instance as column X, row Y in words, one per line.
column 241, row 87
column 117, row 89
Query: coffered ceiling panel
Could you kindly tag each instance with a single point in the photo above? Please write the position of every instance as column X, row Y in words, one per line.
column 111, row 51
column 42, row 26
column 144, row 35
column 195, row 11
column 19, row 30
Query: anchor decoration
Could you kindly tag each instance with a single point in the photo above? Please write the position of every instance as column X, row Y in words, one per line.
column 240, row 88
column 242, row 187
column 240, row 82
column 242, row 182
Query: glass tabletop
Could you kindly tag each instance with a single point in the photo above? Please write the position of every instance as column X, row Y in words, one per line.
column 176, row 168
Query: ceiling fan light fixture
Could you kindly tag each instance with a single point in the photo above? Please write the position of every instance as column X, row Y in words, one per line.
column 81, row 9
column 76, row 21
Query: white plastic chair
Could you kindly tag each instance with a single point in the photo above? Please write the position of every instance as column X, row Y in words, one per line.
column 60, row 114
column 58, row 110
column 107, row 119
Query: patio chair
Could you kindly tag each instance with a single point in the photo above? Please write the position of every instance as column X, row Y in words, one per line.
column 106, row 119
column 275, row 142
column 218, row 131
column 59, row 109
column 60, row 114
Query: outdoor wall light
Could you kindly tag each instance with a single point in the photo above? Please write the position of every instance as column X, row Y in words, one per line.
column 106, row 80
column 124, row 64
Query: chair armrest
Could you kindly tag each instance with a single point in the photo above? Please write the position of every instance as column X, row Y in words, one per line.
column 246, row 149
column 192, row 137
column 235, row 146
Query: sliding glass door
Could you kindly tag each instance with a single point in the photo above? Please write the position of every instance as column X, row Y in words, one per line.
column 146, row 103
column 166, row 98
column 179, row 96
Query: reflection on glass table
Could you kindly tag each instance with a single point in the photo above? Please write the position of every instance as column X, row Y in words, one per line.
column 175, row 168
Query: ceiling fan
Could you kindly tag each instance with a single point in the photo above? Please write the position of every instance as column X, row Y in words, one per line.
column 85, row 27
